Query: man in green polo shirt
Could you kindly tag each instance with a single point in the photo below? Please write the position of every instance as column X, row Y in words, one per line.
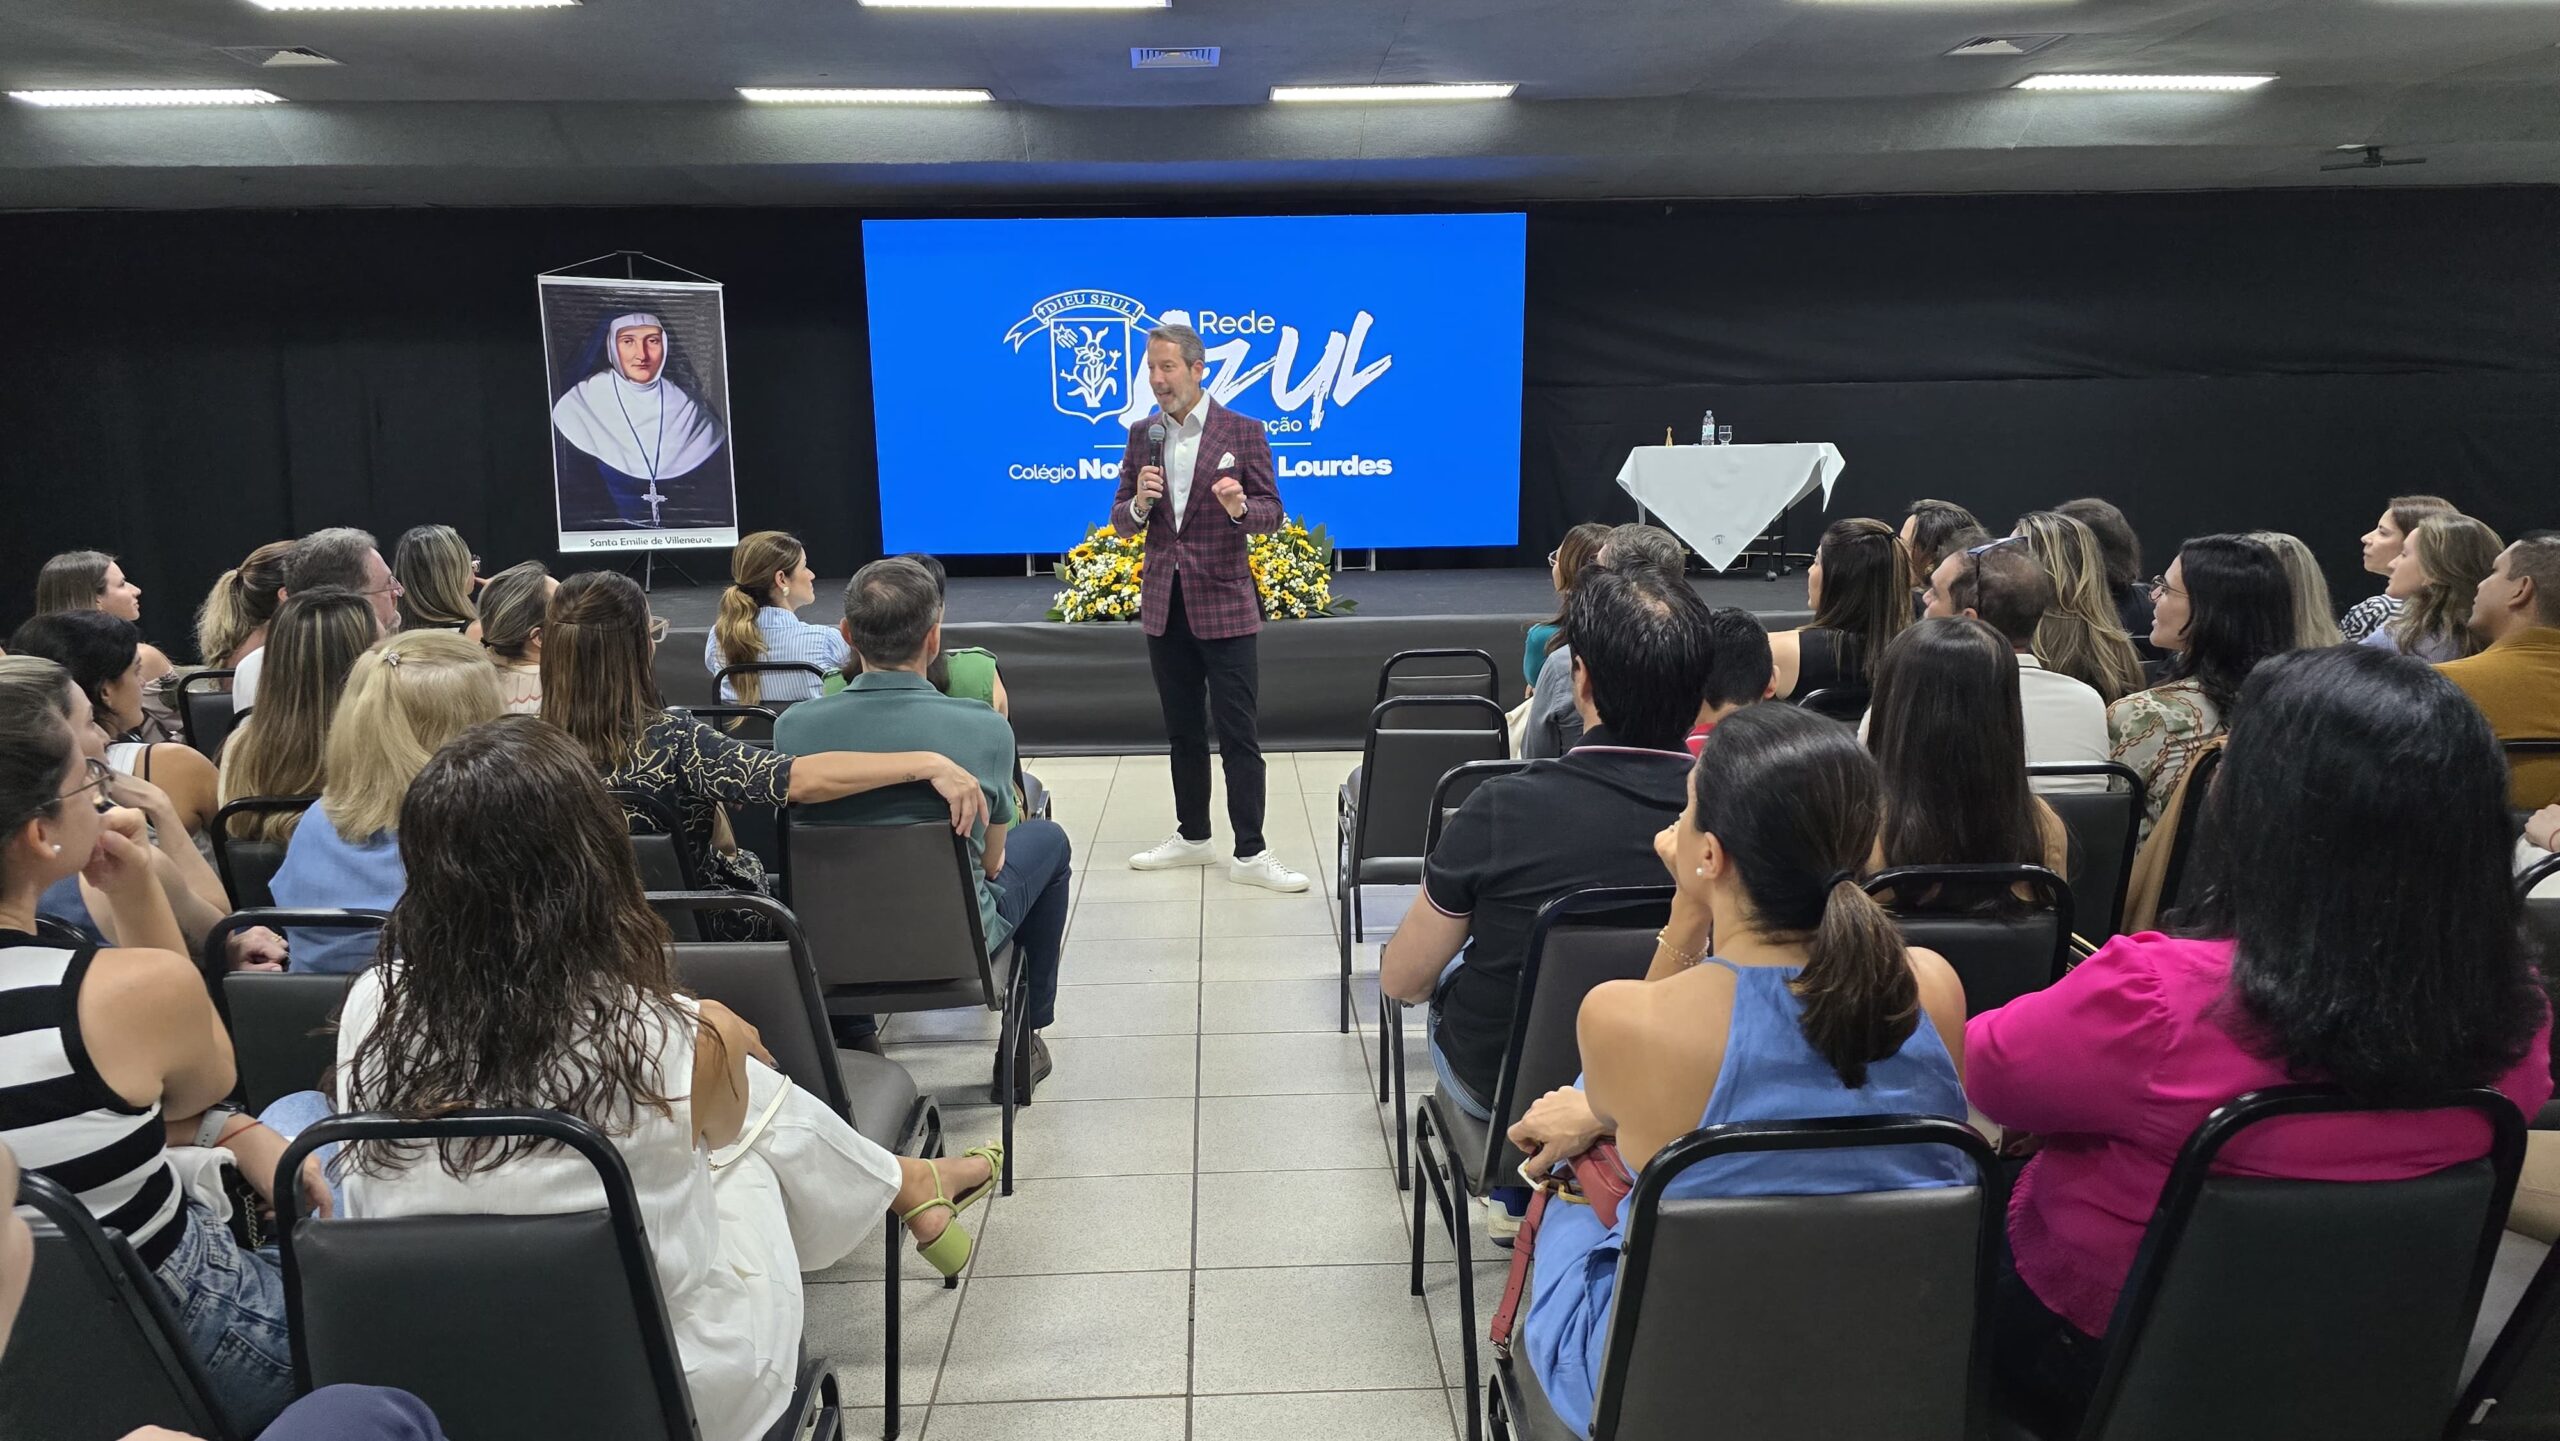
column 893, row 618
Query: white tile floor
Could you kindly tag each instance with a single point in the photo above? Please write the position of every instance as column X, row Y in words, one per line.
column 1205, row 1241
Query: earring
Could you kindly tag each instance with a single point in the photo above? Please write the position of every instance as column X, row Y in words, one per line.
column 57, row 850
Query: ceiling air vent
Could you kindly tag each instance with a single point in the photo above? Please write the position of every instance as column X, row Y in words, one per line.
column 2004, row 45
column 1178, row 57
column 268, row 57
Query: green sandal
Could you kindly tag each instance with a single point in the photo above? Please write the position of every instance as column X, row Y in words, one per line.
column 949, row 1252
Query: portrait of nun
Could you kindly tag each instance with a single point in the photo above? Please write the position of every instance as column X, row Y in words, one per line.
column 641, row 449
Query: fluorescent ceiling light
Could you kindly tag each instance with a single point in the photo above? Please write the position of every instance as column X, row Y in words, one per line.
column 413, row 4
column 70, row 99
column 2143, row 82
column 789, row 95
column 1366, row 93
column 1017, row 4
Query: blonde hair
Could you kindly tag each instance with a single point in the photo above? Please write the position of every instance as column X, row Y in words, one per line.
column 405, row 698
column 511, row 610
column 282, row 748
column 2456, row 552
column 2315, row 622
column 240, row 603
column 433, row 567
column 752, row 567
column 2081, row 637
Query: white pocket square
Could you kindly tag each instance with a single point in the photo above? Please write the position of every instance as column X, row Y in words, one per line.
column 1227, row 461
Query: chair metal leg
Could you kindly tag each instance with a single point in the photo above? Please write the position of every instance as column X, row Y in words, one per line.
column 1344, row 902
column 1386, row 1007
column 889, row 1337
column 1424, row 1172
column 1461, row 1233
column 1404, row 1124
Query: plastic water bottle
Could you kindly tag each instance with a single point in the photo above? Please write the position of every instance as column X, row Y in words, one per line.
column 1707, row 429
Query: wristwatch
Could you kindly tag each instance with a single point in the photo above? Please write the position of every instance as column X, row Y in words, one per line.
column 217, row 1116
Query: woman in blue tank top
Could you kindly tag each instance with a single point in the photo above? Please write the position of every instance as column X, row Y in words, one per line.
column 1779, row 991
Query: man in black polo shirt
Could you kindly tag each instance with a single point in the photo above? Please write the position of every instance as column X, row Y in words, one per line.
column 1641, row 657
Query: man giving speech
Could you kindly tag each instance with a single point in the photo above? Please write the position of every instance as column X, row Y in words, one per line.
column 1197, row 480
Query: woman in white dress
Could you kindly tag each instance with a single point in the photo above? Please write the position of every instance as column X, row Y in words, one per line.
column 549, row 906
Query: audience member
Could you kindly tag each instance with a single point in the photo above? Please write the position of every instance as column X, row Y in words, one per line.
column 2363, row 951
column 2224, row 606
column 232, row 622
column 1738, row 669
column 2516, row 681
column 2005, row 587
column 1641, row 660
column 343, row 558
column 1778, row 992
column 437, row 574
column 511, row 611
column 893, row 621
column 1860, row 588
column 1933, row 528
column 759, row 622
column 117, row 1054
column 2382, row 546
column 282, row 748
column 968, row 673
column 549, row 905
column 2121, row 548
column 1580, row 546
column 86, row 580
column 1949, row 736
column 2314, row 617
column 2079, row 635
column 2435, row 577
column 103, row 655
column 404, row 699
column 599, row 683
column 1553, row 726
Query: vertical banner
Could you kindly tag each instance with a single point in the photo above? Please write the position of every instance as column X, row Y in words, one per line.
column 639, row 400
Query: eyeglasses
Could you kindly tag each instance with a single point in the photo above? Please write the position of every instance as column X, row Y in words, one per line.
column 391, row 588
column 1553, row 554
column 1972, row 552
column 100, row 778
column 657, row 629
column 2159, row 586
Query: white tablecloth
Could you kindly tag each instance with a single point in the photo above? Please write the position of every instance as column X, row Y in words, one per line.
column 1718, row 498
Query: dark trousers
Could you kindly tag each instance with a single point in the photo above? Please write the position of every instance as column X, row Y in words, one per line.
column 2048, row 1367
column 1230, row 671
column 356, row 1413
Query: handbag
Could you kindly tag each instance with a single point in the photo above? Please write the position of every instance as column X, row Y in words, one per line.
column 1597, row 1178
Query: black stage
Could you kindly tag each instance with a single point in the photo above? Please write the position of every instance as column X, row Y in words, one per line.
column 1086, row 687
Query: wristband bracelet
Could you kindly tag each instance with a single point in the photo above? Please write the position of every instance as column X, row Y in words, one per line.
column 209, row 1129
column 1662, row 939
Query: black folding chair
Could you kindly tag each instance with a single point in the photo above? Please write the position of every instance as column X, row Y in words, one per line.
column 97, row 1350
column 248, row 867
column 1720, row 1300
column 204, row 707
column 755, row 826
column 1381, row 811
column 657, row 846
column 2001, row 946
column 1438, row 671
column 750, row 723
column 1579, row 941
column 2106, row 830
column 2174, row 877
column 283, row 1024
column 1844, row 704
column 762, row 668
column 2514, row 1394
column 585, row 1348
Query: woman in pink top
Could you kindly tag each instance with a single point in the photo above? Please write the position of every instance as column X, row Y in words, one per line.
column 2357, row 949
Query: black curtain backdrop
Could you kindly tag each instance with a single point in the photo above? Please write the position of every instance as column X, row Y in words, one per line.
column 179, row 388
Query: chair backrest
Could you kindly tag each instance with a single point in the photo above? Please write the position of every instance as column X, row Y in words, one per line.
column 772, row 985
column 2336, row 1310
column 720, row 679
column 1747, row 1307
column 1579, row 940
column 1454, row 788
column 1842, row 703
column 204, row 706
column 752, row 724
column 1444, row 671
column 283, row 1024
column 2105, row 827
column 2000, row 954
column 657, row 845
column 504, row 1325
column 96, row 1351
column 1413, row 742
column 248, row 867
column 2182, row 843
column 2545, row 749
column 888, row 906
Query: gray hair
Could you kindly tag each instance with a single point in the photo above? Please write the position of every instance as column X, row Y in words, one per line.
column 1629, row 546
column 328, row 557
column 1188, row 339
column 889, row 609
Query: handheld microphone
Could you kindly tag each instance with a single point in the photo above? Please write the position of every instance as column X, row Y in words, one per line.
column 1155, row 445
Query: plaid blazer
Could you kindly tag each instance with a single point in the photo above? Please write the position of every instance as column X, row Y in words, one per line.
column 1207, row 551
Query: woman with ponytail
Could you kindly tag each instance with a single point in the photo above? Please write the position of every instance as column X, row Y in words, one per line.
column 233, row 619
column 770, row 580
column 1780, row 991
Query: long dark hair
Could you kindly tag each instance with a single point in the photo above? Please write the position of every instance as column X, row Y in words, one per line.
column 1939, row 523
column 1795, row 800
column 73, row 580
column 2373, row 951
column 599, row 666
column 1945, row 727
column 1580, row 546
column 1866, row 588
column 94, row 647
column 2239, row 612
column 2115, row 535
column 532, row 971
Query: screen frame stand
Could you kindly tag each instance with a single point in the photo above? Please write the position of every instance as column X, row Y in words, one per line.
column 1340, row 565
column 647, row 572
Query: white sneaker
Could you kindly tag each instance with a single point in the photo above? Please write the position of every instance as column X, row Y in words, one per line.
column 1265, row 870
column 1174, row 852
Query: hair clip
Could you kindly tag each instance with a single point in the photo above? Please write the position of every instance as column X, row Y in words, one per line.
column 391, row 657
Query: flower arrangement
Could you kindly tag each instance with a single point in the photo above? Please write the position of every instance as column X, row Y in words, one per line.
column 1292, row 572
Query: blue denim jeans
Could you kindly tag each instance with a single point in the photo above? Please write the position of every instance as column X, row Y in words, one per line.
column 1032, row 897
column 1450, row 1086
column 230, row 1303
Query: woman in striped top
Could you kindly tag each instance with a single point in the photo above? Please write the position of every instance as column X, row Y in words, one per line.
column 110, row 1056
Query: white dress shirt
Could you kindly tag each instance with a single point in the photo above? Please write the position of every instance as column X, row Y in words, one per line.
column 2065, row 721
column 1181, row 454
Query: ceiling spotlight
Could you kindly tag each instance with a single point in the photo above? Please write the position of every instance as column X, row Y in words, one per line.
column 2144, row 82
column 413, row 4
column 1017, row 4
column 809, row 95
column 129, row 99
column 1369, row 93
